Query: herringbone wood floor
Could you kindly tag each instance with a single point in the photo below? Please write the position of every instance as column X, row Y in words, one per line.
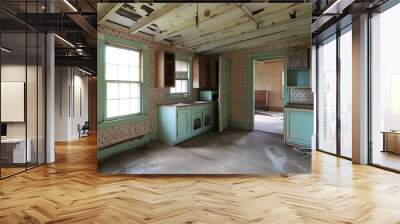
column 70, row 191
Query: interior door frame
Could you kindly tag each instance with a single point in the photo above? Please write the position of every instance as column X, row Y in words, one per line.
column 252, row 58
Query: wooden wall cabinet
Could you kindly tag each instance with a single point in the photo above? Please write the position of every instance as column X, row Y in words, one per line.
column 298, row 58
column 165, row 69
column 205, row 73
column 196, row 72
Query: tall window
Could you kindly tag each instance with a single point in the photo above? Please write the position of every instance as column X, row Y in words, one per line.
column 123, row 81
column 346, row 92
column 327, row 95
column 181, row 77
column 385, row 88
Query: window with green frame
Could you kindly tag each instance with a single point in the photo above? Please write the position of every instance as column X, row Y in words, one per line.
column 123, row 81
column 181, row 77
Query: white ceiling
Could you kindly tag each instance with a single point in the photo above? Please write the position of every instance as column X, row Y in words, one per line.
column 220, row 27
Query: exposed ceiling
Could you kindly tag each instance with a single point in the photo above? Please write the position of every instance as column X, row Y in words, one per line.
column 74, row 22
column 212, row 27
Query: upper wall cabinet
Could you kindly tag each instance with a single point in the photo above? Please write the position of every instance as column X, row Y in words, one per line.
column 298, row 58
column 165, row 69
column 205, row 73
column 196, row 73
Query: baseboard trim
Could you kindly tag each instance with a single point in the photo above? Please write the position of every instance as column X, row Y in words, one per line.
column 108, row 151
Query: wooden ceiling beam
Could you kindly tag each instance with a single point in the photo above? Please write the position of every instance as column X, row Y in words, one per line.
column 110, row 9
column 235, row 27
column 191, row 23
column 155, row 15
column 300, row 32
column 281, row 27
column 247, row 12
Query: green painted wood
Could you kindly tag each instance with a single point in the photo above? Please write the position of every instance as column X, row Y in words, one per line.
column 299, row 127
column 102, row 121
column 208, row 119
column 298, row 77
column 272, row 54
column 224, row 93
column 197, row 123
column 184, row 121
column 175, row 125
column 167, row 129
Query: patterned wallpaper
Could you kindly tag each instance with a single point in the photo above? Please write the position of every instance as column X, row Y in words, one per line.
column 157, row 96
column 301, row 95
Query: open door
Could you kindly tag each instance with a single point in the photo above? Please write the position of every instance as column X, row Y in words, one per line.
column 224, row 93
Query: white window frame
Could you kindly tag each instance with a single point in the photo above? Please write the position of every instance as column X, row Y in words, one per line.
column 140, row 82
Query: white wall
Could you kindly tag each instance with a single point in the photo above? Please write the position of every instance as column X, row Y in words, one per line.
column 70, row 81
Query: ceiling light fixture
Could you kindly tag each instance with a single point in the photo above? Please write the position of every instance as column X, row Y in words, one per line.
column 64, row 40
column 86, row 72
column 70, row 5
column 5, row 50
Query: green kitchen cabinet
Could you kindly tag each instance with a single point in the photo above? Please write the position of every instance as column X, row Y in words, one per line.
column 184, row 122
column 197, row 122
column 299, row 127
column 208, row 119
column 179, row 122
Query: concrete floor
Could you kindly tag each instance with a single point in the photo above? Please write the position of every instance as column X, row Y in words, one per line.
column 232, row 152
column 269, row 121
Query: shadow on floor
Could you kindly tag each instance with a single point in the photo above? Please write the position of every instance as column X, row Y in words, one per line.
column 232, row 152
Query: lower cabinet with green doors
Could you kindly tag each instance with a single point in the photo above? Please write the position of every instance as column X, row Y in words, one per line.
column 299, row 124
column 179, row 122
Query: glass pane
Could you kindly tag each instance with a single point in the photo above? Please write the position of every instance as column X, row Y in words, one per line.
column 181, row 66
column 112, row 91
column 123, row 90
column 134, row 73
column 14, row 154
column 346, row 94
column 41, row 99
column 184, row 86
column 135, row 90
column 111, row 55
column 123, row 56
column 124, row 107
column 31, row 100
column 123, row 73
column 112, row 108
column 134, row 58
column 111, row 72
column 385, row 90
column 135, row 105
column 327, row 96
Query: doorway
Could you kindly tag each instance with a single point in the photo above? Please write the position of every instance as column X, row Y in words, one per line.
column 268, row 95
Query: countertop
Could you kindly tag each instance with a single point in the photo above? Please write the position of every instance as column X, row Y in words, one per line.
column 194, row 103
column 299, row 106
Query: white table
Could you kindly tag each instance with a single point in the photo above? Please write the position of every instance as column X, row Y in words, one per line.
column 19, row 155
